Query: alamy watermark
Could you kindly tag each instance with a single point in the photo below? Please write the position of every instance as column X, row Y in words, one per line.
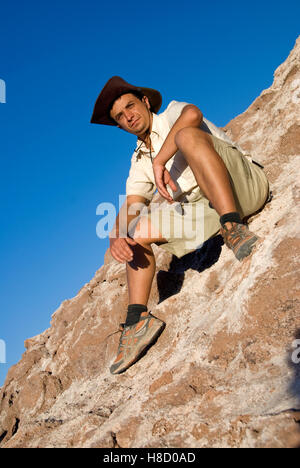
column 177, row 221
column 296, row 353
column 2, row 92
column 2, row 352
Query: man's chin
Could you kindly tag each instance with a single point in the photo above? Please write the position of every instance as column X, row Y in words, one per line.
column 139, row 131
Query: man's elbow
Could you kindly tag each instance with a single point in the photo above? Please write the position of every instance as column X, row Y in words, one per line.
column 192, row 115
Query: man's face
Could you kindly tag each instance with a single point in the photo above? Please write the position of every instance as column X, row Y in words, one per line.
column 131, row 114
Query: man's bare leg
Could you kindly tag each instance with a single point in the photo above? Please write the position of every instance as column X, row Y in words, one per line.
column 141, row 270
column 143, row 330
column 213, row 179
column 208, row 167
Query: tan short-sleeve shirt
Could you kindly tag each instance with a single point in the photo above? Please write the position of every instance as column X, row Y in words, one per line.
column 141, row 179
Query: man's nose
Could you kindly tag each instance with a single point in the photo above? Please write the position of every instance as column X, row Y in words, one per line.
column 128, row 115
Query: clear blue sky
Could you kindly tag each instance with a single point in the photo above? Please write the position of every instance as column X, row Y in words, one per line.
column 56, row 167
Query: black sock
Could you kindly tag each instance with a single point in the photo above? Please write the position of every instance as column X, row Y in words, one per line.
column 233, row 217
column 134, row 313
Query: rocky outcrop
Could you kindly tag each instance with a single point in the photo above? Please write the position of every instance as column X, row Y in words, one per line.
column 270, row 127
column 222, row 373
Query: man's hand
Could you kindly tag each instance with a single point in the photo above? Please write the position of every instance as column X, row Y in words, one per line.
column 162, row 179
column 120, row 250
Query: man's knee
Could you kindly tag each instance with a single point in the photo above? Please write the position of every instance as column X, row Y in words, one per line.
column 146, row 233
column 189, row 135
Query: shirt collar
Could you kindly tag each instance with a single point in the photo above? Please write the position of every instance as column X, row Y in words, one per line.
column 154, row 131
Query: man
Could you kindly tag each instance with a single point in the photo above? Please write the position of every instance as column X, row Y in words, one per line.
column 208, row 184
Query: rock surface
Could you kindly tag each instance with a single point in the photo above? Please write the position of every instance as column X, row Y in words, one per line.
column 222, row 373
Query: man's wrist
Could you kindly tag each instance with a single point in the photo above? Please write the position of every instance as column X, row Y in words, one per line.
column 158, row 162
column 114, row 234
column 118, row 233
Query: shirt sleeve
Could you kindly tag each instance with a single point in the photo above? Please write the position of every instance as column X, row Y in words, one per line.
column 173, row 111
column 139, row 181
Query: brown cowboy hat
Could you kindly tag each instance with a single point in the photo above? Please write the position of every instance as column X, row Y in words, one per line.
column 113, row 89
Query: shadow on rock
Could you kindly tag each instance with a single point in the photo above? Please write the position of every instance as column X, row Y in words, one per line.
column 170, row 282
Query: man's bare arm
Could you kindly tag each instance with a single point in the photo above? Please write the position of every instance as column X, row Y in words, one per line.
column 120, row 241
column 127, row 214
column 190, row 116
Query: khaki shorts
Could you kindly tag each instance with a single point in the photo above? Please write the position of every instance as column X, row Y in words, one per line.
column 187, row 225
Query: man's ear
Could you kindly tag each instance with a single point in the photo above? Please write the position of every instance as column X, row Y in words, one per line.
column 146, row 101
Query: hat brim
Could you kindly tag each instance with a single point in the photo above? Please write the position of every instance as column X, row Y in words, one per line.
column 115, row 88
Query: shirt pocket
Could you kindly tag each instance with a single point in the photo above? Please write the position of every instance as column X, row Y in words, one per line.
column 242, row 159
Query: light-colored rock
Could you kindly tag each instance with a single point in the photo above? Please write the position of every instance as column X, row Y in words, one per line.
column 221, row 374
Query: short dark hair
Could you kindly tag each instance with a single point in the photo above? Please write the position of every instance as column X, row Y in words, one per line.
column 140, row 95
column 136, row 93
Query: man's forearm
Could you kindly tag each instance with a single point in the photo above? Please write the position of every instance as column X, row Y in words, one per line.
column 122, row 223
column 129, row 211
column 191, row 116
